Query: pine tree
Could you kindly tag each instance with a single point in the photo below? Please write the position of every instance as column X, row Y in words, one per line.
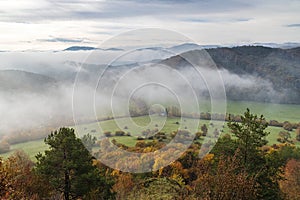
column 251, row 136
column 68, row 166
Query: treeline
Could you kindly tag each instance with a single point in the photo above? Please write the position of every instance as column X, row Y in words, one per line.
column 239, row 167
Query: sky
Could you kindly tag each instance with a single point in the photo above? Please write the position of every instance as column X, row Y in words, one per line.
column 58, row 24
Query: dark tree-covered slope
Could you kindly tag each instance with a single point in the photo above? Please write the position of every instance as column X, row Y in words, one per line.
column 280, row 67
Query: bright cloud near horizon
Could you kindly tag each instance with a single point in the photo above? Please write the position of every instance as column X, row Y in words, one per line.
column 57, row 24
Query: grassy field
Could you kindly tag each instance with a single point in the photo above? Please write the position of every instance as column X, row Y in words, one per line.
column 31, row 148
column 279, row 112
column 168, row 127
column 34, row 147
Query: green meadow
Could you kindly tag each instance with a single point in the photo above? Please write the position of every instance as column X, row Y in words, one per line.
column 134, row 125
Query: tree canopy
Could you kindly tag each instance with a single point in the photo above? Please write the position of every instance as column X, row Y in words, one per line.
column 68, row 166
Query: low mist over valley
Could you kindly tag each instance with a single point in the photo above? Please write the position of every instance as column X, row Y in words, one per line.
column 38, row 88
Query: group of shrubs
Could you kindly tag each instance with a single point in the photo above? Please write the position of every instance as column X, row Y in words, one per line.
column 160, row 136
column 285, row 136
column 117, row 133
column 154, row 134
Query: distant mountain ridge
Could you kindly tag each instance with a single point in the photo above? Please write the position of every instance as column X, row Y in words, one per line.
column 22, row 81
column 180, row 48
column 87, row 48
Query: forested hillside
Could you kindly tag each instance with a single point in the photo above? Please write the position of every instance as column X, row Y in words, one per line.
column 279, row 67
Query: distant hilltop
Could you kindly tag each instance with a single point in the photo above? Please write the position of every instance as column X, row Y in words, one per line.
column 87, row 48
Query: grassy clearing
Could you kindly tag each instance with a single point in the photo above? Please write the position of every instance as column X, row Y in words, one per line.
column 279, row 112
column 168, row 127
column 31, row 148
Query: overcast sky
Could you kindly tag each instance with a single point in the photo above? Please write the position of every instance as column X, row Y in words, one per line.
column 57, row 24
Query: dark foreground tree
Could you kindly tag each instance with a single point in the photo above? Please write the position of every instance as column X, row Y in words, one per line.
column 251, row 137
column 68, row 166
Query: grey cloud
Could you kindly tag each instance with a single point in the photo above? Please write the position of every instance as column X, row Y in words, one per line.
column 199, row 20
column 101, row 32
column 80, row 10
column 115, row 9
column 293, row 25
column 66, row 40
column 243, row 19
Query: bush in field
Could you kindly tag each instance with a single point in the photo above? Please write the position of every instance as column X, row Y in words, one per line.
column 163, row 137
column 287, row 126
column 182, row 135
column 205, row 116
column 140, row 138
column 107, row 134
column 204, row 129
column 198, row 135
column 284, row 137
column 279, row 139
column 184, row 132
column 4, row 146
column 173, row 134
column 119, row 133
column 150, row 133
column 160, row 136
column 275, row 123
